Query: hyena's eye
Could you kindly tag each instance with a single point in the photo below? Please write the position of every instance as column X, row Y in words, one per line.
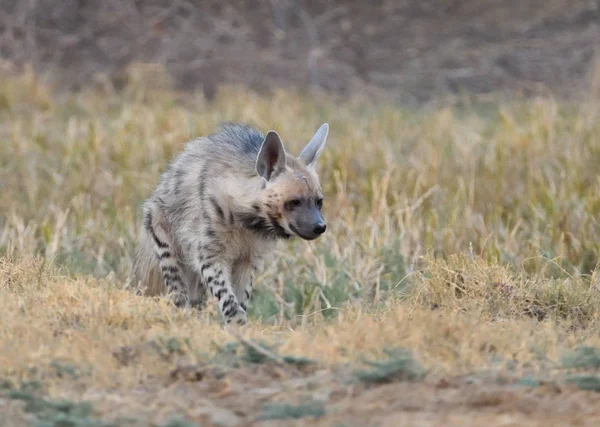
column 319, row 203
column 291, row 204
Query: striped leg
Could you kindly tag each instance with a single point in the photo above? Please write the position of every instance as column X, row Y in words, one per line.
column 220, row 287
column 217, row 277
column 170, row 267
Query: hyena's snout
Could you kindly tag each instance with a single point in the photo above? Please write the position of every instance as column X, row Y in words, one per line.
column 320, row 228
column 311, row 225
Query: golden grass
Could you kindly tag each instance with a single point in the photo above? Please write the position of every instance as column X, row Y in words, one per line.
column 48, row 318
column 468, row 235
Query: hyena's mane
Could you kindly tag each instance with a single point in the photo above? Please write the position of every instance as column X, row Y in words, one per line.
column 242, row 137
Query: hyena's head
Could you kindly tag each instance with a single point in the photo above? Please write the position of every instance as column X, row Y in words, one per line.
column 292, row 196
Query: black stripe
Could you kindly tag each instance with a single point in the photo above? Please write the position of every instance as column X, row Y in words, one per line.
column 215, row 247
column 202, row 183
column 172, row 278
column 164, row 255
column 169, row 268
column 179, row 175
column 279, row 230
column 210, row 233
column 217, row 208
column 266, row 227
column 227, row 302
column 229, row 308
column 148, row 221
column 158, row 242
column 255, row 223
column 204, row 267
column 210, row 250
column 148, row 226
column 200, row 252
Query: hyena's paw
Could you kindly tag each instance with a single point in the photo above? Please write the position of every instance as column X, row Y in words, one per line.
column 179, row 300
column 199, row 304
column 240, row 318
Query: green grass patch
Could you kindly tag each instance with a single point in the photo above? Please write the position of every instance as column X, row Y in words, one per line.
column 400, row 365
column 286, row 411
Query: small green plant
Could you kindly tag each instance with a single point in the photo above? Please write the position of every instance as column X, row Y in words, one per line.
column 283, row 411
column 529, row 381
column 584, row 357
column 166, row 348
column 66, row 369
column 177, row 422
column 585, row 382
column 54, row 413
column 400, row 366
column 255, row 352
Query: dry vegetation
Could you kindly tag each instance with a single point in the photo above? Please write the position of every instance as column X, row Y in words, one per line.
column 419, row 51
column 468, row 237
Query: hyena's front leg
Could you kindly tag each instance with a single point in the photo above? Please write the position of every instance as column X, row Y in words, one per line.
column 217, row 277
column 168, row 262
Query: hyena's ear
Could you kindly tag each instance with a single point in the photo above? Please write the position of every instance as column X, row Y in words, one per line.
column 271, row 157
column 314, row 148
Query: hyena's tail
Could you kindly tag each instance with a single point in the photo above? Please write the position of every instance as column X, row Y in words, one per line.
column 146, row 278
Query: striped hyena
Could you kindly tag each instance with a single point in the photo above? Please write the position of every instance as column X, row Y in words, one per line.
column 219, row 208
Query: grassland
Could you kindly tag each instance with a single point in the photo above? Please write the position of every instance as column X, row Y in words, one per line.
column 461, row 253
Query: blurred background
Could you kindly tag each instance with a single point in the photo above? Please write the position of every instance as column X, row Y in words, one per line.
column 412, row 51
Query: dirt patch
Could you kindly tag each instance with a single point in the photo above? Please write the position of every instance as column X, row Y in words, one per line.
column 262, row 389
column 409, row 50
column 271, row 395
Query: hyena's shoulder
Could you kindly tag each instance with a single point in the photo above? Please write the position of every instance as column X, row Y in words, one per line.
column 210, row 170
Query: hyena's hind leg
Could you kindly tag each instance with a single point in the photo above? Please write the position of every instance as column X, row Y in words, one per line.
column 197, row 291
column 170, row 265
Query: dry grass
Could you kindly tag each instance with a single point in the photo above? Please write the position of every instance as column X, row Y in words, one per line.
column 470, row 238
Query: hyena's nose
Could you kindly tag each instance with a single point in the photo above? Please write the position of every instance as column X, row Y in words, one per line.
column 320, row 228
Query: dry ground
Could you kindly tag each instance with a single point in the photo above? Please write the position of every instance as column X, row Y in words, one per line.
column 139, row 361
column 465, row 242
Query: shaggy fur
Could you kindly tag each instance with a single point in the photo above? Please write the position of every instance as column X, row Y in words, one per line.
column 219, row 209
